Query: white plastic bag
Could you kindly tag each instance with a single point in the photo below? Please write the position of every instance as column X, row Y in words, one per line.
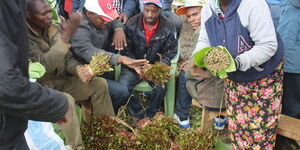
column 41, row 136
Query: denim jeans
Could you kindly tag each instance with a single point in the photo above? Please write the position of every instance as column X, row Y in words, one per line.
column 118, row 92
column 291, row 95
column 131, row 79
column 183, row 98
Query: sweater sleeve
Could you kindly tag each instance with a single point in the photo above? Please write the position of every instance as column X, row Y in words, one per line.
column 262, row 32
column 51, row 59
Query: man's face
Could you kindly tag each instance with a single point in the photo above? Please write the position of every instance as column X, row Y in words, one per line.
column 97, row 21
column 151, row 13
column 193, row 15
column 40, row 17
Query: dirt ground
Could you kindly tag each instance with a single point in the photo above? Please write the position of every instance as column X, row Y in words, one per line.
column 185, row 38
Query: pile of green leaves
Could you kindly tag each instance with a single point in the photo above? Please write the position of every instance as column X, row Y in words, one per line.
column 106, row 133
column 192, row 139
column 158, row 133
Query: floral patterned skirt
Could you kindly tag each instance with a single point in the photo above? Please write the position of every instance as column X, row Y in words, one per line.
column 253, row 110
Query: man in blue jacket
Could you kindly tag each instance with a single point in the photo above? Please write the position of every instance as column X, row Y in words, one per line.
column 21, row 100
column 289, row 30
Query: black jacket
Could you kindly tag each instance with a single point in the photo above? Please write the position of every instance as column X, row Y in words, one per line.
column 164, row 41
column 21, row 100
column 88, row 40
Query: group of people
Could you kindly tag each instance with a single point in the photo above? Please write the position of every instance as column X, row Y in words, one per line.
column 136, row 34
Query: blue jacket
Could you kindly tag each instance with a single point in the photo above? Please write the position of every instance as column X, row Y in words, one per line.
column 289, row 30
column 250, row 38
column 274, row 2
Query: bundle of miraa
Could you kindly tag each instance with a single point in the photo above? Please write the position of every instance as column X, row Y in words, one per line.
column 98, row 66
column 158, row 73
column 216, row 59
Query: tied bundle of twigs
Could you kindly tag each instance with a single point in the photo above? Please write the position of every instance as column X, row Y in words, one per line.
column 216, row 59
column 98, row 66
column 158, row 73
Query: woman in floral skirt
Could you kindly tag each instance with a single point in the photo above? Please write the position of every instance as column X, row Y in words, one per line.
column 253, row 92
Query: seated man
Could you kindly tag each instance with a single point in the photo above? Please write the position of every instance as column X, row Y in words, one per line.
column 153, row 37
column 200, row 83
column 94, row 35
column 51, row 48
column 133, row 7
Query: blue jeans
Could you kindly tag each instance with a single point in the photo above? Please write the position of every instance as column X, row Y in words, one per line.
column 118, row 92
column 291, row 95
column 183, row 98
column 130, row 78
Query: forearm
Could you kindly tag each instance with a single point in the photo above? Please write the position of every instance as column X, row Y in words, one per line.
column 71, row 64
column 53, row 58
column 116, row 25
column 262, row 33
column 31, row 101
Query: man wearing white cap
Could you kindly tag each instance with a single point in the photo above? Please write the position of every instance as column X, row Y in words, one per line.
column 194, row 82
column 95, row 35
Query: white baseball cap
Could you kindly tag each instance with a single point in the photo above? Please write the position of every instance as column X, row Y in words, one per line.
column 103, row 8
column 188, row 4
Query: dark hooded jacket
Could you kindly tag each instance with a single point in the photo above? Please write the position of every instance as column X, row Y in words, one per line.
column 21, row 100
column 164, row 40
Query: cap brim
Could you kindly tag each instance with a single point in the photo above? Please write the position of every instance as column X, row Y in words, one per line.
column 112, row 16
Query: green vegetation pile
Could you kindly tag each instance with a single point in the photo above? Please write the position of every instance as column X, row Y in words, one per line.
column 158, row 133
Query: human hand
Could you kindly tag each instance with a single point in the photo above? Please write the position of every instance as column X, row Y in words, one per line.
column 198, row 73
column 182, row 65
column 69, row 114
column 119, row 39
column 132, row 63
column 123, row 18
column 144, row 69
column 85, row 73
column 69, row 26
